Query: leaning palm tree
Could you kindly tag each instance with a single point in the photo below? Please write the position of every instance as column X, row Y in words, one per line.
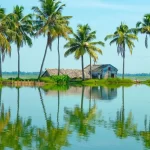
column 121, row 38
column 45, row 22
column 144, row 27
column 23, row 28
column 81, row 43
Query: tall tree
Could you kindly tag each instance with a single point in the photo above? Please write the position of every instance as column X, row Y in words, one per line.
column 45, row 22
column 62, row 30
column 23, row 28
column 144, row 27
column 5, row 36
column 122, row 37
column 81, row 43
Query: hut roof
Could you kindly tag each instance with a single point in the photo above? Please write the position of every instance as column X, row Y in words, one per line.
column 72, row 73
column 94, row 67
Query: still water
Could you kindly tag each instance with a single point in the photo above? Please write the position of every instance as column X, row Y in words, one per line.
column 77, row 118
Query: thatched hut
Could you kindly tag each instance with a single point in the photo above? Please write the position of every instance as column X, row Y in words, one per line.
column 72, row 73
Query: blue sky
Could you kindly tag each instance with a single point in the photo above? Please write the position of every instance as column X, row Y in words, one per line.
column 103, row 16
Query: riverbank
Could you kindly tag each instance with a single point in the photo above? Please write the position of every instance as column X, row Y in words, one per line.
column 64, row 80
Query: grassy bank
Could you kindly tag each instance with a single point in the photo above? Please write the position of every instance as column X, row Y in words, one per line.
column 65, row 80
column 116, row 82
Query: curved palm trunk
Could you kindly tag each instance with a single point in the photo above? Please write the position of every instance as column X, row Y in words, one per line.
column 43, row 61
column 0, row 64
column 90, row 68
column 44, row 110
column 82, row 62
column 58, row 58
column 18, row 50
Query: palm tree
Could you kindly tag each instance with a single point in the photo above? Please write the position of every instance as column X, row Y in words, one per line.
column 144, row 27
column 23, row 28
column 82, row 43
column 62, row 30
column 122, row 37
column 5, row 34
column 45, row 23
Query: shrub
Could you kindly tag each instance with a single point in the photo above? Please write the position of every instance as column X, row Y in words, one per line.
column 46, row 79
column 61, row 78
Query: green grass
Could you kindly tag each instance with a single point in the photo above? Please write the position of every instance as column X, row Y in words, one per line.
column 141, row 78
column 55, row 87
column 21, row 76
column 116, row 82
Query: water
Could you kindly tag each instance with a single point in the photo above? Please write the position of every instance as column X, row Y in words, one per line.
column 82, row 118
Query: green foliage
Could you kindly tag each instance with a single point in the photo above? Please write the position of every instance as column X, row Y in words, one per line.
column 61, row 78
column 115, row 82
column 55, row 87
column 47, row 80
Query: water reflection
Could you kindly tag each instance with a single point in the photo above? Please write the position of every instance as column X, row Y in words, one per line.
column 145, row 135
column 82, row 122
column 102, row 93
column 16, row 134
column 124, row 127
column 52, row 137
column 97, row 93
column 19, row 133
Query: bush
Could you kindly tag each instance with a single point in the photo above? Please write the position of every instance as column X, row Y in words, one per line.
column 61, row 78
column 46, row 79
column 55, row 87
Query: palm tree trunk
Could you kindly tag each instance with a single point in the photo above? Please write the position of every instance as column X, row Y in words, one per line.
column 0, row 64
column 90, row 98
column 43, row 61
column 18, row 62
column 122, row 104
column 58, row 110
column 58, row 58
column 44, row 110
column 123, row 67
column 90, row 68
column 82, row 62
column 18, row 102
column 123, row 62
column 82, row 98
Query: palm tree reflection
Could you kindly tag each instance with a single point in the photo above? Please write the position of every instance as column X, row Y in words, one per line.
column 124, row 127
column 52, row 137
column 82, row 121
column 145, row 135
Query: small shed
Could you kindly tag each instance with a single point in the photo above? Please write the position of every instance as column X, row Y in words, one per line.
column 102, row 71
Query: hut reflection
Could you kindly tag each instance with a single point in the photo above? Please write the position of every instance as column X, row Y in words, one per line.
column 97, row 93
column 102, row 93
